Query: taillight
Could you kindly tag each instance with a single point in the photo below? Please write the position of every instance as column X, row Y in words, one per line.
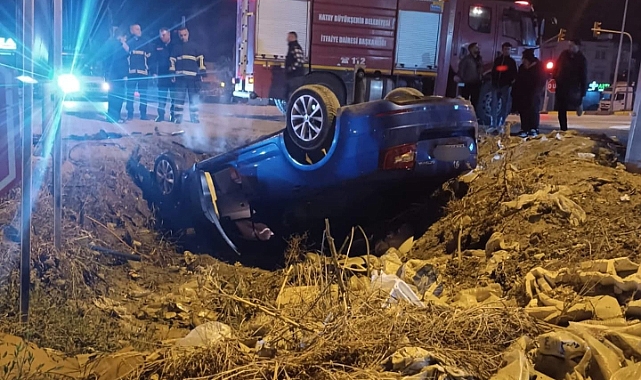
column 399, row 157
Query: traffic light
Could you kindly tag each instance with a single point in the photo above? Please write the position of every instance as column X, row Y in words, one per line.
column 596, row 29
column 549, row 65
column 561, row 36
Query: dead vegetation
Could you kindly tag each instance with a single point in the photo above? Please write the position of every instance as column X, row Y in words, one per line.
column 317, row 318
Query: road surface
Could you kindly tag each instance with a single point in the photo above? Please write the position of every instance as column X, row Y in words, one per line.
column 610, row 125
column 237, row 123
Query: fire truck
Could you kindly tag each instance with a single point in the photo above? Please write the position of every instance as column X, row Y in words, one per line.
column 362, row 49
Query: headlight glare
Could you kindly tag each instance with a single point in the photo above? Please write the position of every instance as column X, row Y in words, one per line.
column 68, row 83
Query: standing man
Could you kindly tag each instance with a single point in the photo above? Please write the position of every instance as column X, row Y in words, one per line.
column 470, row 72
column 527, row 93
column 160, row 69
column 116, row 70
column 571, row 75
column 139, row 53
column 294, row 62
column 503, row 76
column 188, row 65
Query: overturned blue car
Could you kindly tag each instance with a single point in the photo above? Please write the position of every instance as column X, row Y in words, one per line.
column 326, row 163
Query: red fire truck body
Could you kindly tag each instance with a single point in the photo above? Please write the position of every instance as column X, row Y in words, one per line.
column 362, row 49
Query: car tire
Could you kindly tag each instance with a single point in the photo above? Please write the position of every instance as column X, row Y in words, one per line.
column 168, row 171
column 403, row 93
column 310, row 129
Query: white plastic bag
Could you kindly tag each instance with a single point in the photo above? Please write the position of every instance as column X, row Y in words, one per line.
column 397, row 289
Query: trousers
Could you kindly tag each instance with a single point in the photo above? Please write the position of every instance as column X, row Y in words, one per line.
column 166, row 89
column 187, row 88
column 116, row 98
column 140, row 82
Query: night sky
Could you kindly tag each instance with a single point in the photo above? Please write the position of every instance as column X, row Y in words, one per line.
column 578, row 16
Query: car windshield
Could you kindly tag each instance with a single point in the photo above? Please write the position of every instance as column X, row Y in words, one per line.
column 520, row 26
column 81, row 67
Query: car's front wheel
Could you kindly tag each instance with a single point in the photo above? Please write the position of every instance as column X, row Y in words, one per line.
column 311, row 116
column 168, row 170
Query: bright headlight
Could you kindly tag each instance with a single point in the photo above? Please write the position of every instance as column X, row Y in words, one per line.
column 105, row 86
column 68, row 83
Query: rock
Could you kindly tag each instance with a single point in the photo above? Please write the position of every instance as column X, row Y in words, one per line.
column 170, row 315
column 634, row 309
column 497, row 243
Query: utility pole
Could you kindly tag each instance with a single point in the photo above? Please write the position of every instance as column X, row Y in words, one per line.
column 616, row 68
column 445, row 48
column 57, row 126
column 27, row 146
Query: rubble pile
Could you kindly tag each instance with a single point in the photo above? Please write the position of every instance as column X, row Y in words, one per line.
column 533, row 270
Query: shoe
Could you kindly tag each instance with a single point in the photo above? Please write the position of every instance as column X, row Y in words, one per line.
column 160, row 118
column 194, row 119
column 533, row 133
column 523, row 134
column 172, row 118
column 178, row 119
column 579, row 110
column 144, row 117
column 130, row 118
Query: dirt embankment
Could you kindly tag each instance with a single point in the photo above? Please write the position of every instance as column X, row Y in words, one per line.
column 554, row 202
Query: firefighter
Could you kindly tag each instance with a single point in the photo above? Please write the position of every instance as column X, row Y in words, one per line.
column 160, row 70
column 139, row 53
column 188, row 65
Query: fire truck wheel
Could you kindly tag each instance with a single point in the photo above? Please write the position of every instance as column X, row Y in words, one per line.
column 311, row 116
column 402, row 93
column 168, row 170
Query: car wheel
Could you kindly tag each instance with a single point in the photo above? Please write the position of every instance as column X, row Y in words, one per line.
column 311, row 116
column 281, row 105
column 168, row 170
column 403, row 93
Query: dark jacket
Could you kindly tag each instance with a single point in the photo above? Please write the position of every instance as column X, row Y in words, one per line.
column 117, row 62
column 504, row 71
column 139, row 53
column 186, row 60
column 295, row 60
column 160, row 58
column 529, row 86
column 470, row 69
column 571, row 73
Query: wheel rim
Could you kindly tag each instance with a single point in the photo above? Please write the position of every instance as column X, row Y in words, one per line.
column 165, row 177
column 307, row 118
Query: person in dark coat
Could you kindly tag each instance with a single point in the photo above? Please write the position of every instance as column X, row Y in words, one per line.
column 187, row 64
column 571, row 75
column 294, row 63
column 527, row 93
column 116, row 70
column 504, row 73
column 470, row 73
column 139, row 53
column 160, row 69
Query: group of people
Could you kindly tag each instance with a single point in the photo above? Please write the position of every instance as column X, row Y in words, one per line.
column 132, row 63
column 526, row 84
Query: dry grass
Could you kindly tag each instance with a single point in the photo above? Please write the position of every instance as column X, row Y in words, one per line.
column 322, row 338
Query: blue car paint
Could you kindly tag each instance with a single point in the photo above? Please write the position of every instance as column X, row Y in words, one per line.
column 361, row 133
